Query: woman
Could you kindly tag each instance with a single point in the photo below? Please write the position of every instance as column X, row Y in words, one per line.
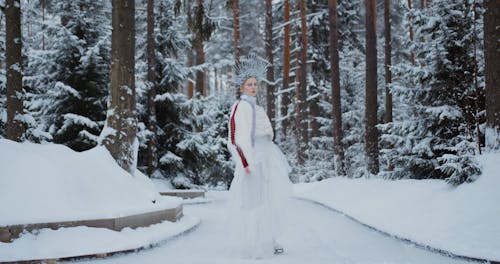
column 260, row 185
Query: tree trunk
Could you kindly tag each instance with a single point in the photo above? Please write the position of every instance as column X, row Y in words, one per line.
column 200, row 87
column 13, row 43
column 412, row 54
column 43, row 21
column 190, row 86
column 152, row 160
column 336, row 103
column 492, row 72
column 387, row 66
column 120, row 134
column 314, row 110
column 302, row 122
column 285, row 98
column 269, row 56
column 371, row 136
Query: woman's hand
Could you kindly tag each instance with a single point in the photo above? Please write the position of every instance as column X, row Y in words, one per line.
column 247, row 170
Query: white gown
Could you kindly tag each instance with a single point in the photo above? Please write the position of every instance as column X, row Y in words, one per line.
column 256, row 202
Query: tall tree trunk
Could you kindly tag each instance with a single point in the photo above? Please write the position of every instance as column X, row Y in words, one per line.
column 285, row 98
column 492, row 72
column 270, row 69
column 190, row 85
column 13, row 43
column 236, row 30
column 43, row 21
column 216, row 81
column 371, row 136
column 336, row 103
column 302, row 122
column 412, row 53
column 120, row 134
column 200, row 87
column 152, row 160
column 314, row 110
column 387, row 66
column 477, row 90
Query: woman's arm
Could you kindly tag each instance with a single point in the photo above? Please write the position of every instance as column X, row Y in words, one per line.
column 241, row 126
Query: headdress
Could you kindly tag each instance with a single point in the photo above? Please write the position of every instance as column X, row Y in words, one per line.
column 249, row 66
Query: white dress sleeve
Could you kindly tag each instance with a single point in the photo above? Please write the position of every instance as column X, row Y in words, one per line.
column 240, row 134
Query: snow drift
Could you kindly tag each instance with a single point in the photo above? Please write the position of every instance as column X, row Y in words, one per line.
column 50, row 182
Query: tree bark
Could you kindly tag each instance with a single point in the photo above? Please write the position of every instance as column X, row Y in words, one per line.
column 371, row 134
column 387, row 66
column 43, row 21
column 314, row 109
column 236, row 31
column 269, row 56
column 412, row 54
column 336, row 102
column 120, row 134
column 152, row 160
column 492, row 71
column 190, row 85
column 285, row 98
column 13, row 42
column 200, row 87
column 302, row 122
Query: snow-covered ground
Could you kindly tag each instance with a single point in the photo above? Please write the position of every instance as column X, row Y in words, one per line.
column 464, row 220
column 81, row 241
column 311, row 235
column 47, row 183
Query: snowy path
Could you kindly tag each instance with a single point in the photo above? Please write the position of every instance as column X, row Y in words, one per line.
column 312, row 235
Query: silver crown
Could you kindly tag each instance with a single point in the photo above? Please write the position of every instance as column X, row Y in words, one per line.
column 249, row 66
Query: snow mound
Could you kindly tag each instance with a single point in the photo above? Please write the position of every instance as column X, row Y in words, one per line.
column 50, row 182
column 463, row 220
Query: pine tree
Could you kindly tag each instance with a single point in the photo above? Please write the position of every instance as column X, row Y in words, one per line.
column 436, row 138
column 119, row 135
column 335, row 86
column 492, row 70
column 13, row 46
column 301, row 95
column 67, row 75
column 270, row 86
column 371, row 133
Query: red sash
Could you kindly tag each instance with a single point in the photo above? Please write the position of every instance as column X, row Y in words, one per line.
column 233, row 131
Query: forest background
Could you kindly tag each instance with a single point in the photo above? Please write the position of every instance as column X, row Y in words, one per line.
column 374, row 88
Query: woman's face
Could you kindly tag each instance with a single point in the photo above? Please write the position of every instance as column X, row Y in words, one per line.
column 249, row 87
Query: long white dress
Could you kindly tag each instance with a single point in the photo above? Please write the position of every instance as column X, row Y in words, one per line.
column 257, row 201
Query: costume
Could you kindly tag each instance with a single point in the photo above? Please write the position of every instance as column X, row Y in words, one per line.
column 256, row 201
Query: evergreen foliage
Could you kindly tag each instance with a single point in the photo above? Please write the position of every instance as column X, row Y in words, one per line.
column 438, row 137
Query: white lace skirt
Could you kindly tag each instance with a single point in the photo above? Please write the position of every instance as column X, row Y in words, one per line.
column 256, row 202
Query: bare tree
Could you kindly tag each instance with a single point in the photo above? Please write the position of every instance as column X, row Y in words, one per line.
column 371, row 134
column 120, row 133
column 336, row 103
column 151, row 160
column 492, row 71
column 236, row 27
column 269, row 56
column 15, row 127
column 301, row 95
